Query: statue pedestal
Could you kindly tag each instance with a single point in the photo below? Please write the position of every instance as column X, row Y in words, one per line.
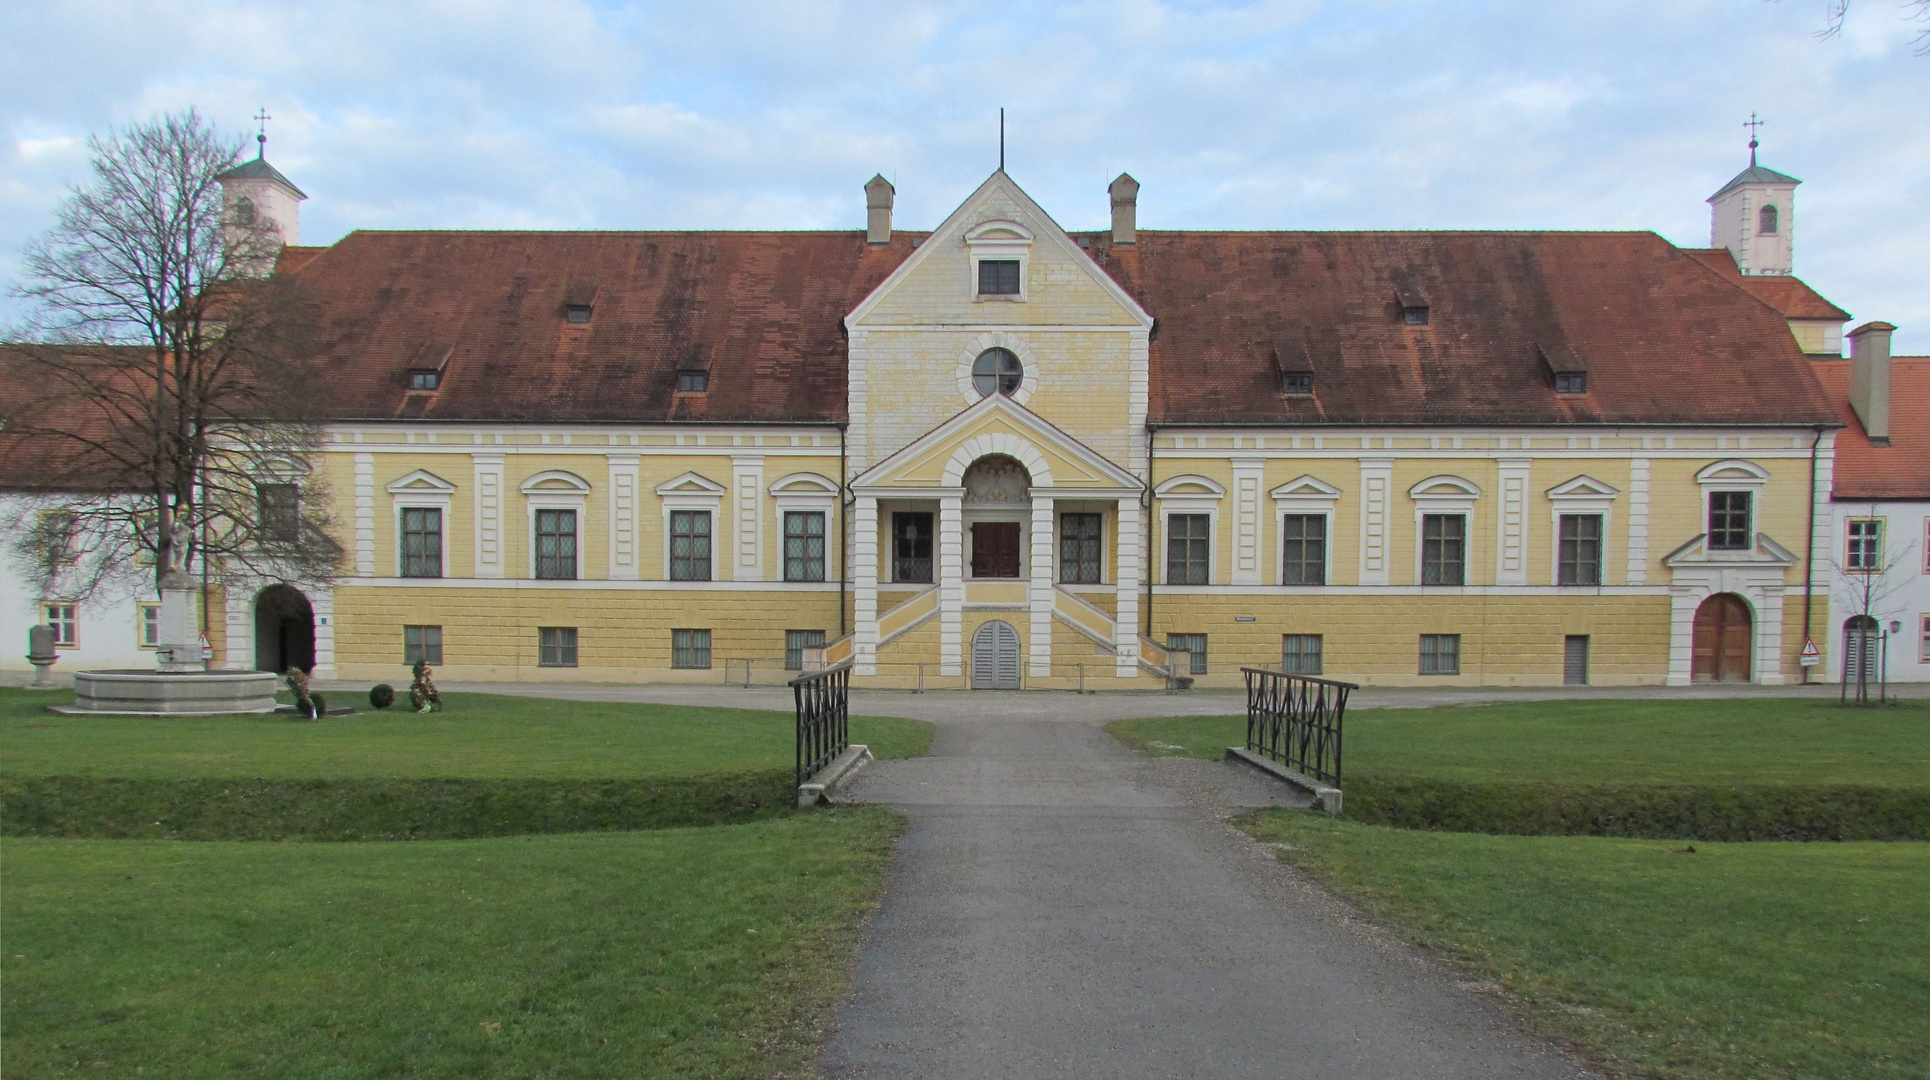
column 178, row 641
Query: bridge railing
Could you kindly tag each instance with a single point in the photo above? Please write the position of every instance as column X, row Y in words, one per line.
column 1295, row 720
column 823, row 717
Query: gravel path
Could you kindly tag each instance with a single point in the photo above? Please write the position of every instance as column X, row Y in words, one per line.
column 1061, row 907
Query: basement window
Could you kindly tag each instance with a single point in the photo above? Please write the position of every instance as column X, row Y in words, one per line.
column 693, row 382
column 1297, row 383
column 1571, row 382
column 425, row 379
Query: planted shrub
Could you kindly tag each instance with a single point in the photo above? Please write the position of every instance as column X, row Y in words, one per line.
column 382, row 695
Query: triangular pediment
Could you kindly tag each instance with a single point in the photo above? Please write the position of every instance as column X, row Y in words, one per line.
column 1306, row 487
column 690, row 483
column 1582, row 487
column 998, row 425
column 421, row 482
column 1061, row 282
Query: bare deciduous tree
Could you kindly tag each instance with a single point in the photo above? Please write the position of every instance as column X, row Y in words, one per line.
column 1836, row 13
column 159, row 401
column 1865, row 580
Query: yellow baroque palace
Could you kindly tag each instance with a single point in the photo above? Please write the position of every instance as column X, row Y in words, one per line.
column 1002, row 455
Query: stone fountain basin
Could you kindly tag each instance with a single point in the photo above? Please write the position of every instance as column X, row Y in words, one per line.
column 132, row 692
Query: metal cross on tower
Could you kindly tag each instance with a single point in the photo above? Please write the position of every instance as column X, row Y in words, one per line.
column 261, row 119
column 1752, row 125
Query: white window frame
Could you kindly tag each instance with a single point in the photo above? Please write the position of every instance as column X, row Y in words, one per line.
column 424, row 490
column 1582, row 495
column 574, row 495
column 1171, row 500
column 1303, row 496
column 1000, row 241
column 1446, row 495
column 1106, row 569
column 141, row 610
column 796, row 493
column 1732, row 474
column 44, row 621
column 692, row 491
column 1876, row 559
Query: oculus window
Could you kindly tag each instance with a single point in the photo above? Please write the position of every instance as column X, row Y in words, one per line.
column 997, row 371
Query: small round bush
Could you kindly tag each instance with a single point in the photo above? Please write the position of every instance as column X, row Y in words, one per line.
column 321, row 705
column 382, row 695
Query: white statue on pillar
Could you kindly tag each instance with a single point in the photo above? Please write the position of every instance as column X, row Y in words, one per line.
column 178, row 641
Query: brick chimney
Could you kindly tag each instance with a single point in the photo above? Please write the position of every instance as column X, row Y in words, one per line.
column 878, row 195
column 1125, row 208
column 1870, row 378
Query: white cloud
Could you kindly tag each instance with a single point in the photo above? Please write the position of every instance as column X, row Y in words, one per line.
column 759, row 113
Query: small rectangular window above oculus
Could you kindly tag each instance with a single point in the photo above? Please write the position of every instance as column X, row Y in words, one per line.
column 998, row 277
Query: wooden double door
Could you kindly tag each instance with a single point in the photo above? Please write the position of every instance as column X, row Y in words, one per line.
column 995, row 549
column 1723, row 633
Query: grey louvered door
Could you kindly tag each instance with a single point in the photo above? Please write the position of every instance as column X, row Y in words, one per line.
column 1574, row 660
column 995, row 657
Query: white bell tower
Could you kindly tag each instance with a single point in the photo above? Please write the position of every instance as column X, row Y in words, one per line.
column 1754, row 216
column 256, row 191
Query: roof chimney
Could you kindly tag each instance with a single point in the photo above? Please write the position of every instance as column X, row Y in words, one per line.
column 1870, row 379
column 877, row 202
column 1125, row 208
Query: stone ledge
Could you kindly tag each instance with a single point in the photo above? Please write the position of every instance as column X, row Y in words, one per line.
column 819, row 788
column 1327, row 797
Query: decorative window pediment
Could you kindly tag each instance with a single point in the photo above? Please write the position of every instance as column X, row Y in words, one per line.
column 1734, row 472
column 1190, row 486
column 802, row 483
column 1582, row 487
column 1307, row 487
column 998, row 233
column 1445, row 487
column 421, row 482
column 555, row 482
column 690, row 483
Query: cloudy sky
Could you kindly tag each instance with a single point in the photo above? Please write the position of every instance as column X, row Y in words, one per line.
column 1510, row 114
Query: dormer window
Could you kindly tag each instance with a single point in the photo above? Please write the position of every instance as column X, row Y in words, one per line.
column 998, row 277
column 577, row 313
column 1568, row 367
column 693, row 382
column 1413, row 303
column 1415, row 315
column 1571, row 382
column 578, row 299
column 1296, row 383
column 425, row 379
column 1768, row 221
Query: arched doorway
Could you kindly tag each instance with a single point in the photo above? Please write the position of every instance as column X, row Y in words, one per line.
column 284, row 630
column 997, row 503
column 1862, row 644
column 995, row 657
column 1722, row 639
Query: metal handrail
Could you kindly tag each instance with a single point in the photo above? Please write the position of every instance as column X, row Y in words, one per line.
column 1296, row 720
column 823, row 700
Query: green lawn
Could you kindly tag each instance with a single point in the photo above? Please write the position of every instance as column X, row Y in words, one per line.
column 477, row 736
column 712, row 952
column 1761, row 960
column 1606, row 742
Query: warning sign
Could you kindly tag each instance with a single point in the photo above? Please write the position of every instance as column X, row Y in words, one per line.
column 207, row 651
column 1812, row 656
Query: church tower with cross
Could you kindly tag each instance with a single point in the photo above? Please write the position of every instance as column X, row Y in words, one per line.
column 256, row 190
column 1754, row 215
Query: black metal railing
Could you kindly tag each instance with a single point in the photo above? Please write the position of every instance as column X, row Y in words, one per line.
column 823, row 717
column 1295, row 720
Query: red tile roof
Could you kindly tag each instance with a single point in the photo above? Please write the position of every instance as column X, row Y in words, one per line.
column 1663, row 340
column 54, row 439
column 760, row 311
column 1790, row 295
column 1900, row 470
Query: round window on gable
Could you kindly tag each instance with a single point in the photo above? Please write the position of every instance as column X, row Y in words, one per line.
column 997, row 371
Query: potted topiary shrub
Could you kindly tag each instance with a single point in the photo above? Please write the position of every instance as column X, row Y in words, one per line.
column 382, row 695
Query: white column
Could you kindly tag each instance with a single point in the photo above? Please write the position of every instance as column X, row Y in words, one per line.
column 1246, row 520
column 1511, row 554
column 365, row 515
column 747, row 528
column 1683, row 601
column 1638, row 521
column 489, row 515
column 1769, row 636
column 1127, row 542
column 864, row 590
column 623, row 517
column 1039, row 591
column 951, row 586
column 322, row 602
column 1376, row 477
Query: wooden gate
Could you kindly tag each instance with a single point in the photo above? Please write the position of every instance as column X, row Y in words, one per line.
column 995, row 657
column 1722, row 638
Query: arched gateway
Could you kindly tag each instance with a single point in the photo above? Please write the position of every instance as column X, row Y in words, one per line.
column 1722, row 639
column 284, row 630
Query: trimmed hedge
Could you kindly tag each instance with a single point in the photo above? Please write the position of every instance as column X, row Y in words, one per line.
column 377, row 809
column 1662, row 811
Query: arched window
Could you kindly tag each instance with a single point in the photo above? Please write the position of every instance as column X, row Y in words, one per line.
column 245, row 210
column 1766, row 221
column 997, row 371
